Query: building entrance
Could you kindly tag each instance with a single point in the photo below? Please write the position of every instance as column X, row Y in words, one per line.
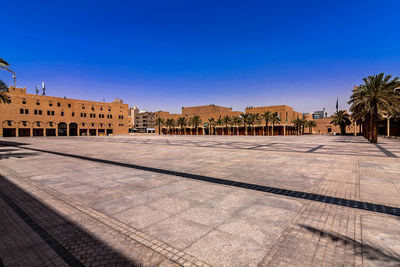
column 62, row 129
column 73, row 129
column 9, row 132
column 38, row 132
column 23, row 132
column 50, row 132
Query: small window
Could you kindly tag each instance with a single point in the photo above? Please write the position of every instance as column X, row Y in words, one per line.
column 83, row 107
column 92, row 108
column 40, row 112
column 101, row 108
column 94, row 115
column 51, row 124
column 35, row 112
column 38, row 123
column 37, row 103
column 92, row 124
column 48, row 113
column 83, row 124
column 52, row 113
column 62, row 113
column 50, row 104
column 21, row 111
column 69, row 105
column 109, row 109
column 26, row 111
column 58, row 104
column 24, row 123
column 73, row 114
column 24, row 101
column 81, row 115
column 9, row 123
column 84, row 115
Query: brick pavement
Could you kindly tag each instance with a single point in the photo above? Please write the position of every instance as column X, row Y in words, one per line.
column 136, row 217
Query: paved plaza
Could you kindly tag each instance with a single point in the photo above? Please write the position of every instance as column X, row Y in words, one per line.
column 199, row 201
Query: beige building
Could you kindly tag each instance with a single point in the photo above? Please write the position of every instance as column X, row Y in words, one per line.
column 41, row 115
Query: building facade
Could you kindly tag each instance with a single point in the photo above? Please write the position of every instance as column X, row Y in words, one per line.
column 41, row 115
column 145, row 122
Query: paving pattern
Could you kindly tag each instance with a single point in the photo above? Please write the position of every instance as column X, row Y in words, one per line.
column 199, row 200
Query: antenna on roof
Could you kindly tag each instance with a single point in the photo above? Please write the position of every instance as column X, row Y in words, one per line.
column 37, row 89
column 43, row 88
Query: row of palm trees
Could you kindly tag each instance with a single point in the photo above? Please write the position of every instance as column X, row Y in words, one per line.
column 377, row 98
column 230, row 125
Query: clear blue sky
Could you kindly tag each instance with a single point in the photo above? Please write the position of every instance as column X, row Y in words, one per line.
column 162, row 55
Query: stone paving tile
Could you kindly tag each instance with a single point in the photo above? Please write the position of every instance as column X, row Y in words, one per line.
column 220, row 225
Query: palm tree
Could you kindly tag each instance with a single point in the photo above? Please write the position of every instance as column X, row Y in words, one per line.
column 159, row 122
column 311, row 125
column 226, row 121
column 298, row 123
column 3, row 65
column 170, row 123
column 219, row 122
column 275, row 119
column 182, row 122
column 266, row 116
column 257, row 121
column 341, row 119
column 195, row 121
column 236, row 121
column 245, row 117
column 211, row 124
column 3, row 62
column 4, row 98
column 375, row 96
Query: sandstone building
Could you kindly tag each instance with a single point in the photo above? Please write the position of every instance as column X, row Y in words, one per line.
column 41, row 115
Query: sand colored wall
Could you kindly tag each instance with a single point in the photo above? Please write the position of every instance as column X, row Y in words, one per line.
column 46, row 112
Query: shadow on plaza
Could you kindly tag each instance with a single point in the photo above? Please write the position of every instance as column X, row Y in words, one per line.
column 368, row 251
column 73, row 244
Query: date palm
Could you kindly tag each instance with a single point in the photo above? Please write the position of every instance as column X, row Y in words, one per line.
column 376, row 96
column 159, row 123
column 219, row 123
column 226, row 121
column 182, row 122
column 4, row 98
column 298, row 124
column 4, row 65
column 236, row 121
column 275, row 119
column 211, row 125
column 267, row 117
column 196, row 121
column 311, row 125
column 245, row 118
column 341, row 119
column 170, row 123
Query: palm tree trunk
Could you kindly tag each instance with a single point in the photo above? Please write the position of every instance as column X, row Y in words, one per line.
column 273, row 124
column 374, row 138
column 245, row 129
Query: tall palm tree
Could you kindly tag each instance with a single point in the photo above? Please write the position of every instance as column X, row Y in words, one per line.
column 170, row 123
column 4, row 98
column 159, row 122
column 275, row 119
column 196, row 121
column 245, row 117
column 236, row 121
column 267, row 117
column 311, row 125
column 226, row 121
column 182, row 122
column 298, row 124
column 375, row 96
column 341, row 119
column 219, row 123
column 3, row 62
column 257, row 121
column 3, row 65
column 211, row 125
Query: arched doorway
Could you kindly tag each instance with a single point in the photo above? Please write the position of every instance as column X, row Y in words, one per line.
column 62, row 129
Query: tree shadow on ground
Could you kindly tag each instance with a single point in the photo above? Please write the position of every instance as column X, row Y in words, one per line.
column 16, row 155
column 368, row 251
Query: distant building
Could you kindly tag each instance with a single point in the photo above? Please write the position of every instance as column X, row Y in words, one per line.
column 319, row 114
column 145, row 122
column 42, row 115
